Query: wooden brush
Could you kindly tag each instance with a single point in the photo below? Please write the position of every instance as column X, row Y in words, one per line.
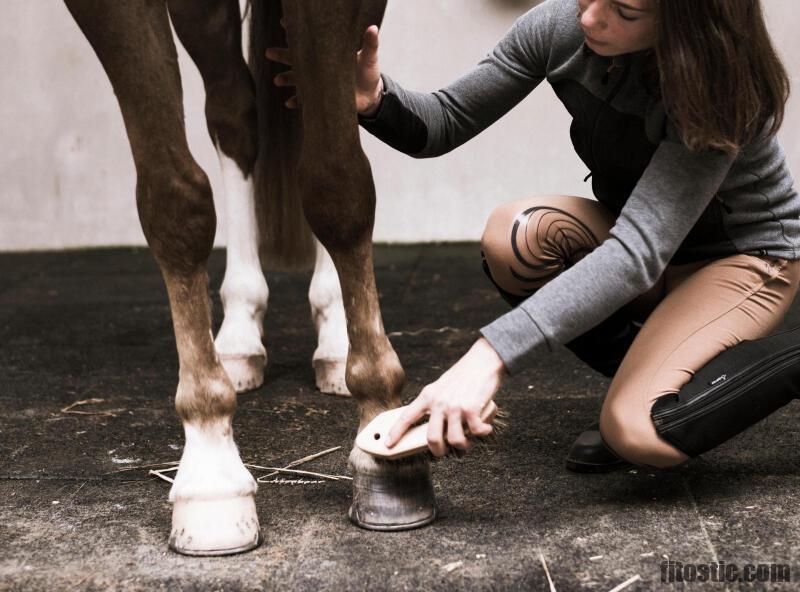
column 372, row 438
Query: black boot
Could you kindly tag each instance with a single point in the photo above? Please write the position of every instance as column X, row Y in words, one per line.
column 603, row 346
column 590, row 455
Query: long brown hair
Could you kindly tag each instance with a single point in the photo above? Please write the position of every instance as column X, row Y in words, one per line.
column 721, row 79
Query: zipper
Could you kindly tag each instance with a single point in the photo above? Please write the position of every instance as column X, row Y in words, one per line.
column 785, row 359
column 607, row 75
column 607, row 101
column 679, row 409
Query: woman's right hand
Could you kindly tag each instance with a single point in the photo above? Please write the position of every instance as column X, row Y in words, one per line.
column 369, row 84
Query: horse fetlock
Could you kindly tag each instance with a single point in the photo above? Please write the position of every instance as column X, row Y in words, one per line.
column 245, row 289
column 205, row 399
column 375, row 375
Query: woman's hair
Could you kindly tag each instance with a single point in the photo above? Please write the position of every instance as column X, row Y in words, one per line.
column 721, row 79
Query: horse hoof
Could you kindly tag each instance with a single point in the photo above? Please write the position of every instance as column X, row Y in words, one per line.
column 399, row 498
column 330, row 376
column 214, row 527
column 246, row 372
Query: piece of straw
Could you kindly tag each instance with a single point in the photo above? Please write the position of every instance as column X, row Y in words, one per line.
column 422, row 332
column 160, row 474
column 546, row 571
column 281, row 481
column 296, row 472
column 626, row 583
column 147, row 466
column 305, row 459
column 262, row 479
column 452, row 566
column 92, row 401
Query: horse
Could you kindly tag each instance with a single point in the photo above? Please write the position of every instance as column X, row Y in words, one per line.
column 299, row 188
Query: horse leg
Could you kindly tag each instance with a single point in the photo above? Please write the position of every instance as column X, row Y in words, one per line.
column 338, row 194
column 213, row 493
column 327, row 310
column 211, row 32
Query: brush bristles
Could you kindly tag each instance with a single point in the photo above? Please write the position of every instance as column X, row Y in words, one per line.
column 479, row 443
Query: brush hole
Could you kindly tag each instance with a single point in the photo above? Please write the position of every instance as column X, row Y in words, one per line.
column 377, row 436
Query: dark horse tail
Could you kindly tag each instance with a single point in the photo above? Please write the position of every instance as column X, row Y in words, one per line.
column 285, row 237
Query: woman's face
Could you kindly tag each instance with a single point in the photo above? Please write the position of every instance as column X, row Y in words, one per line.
column 614, row 27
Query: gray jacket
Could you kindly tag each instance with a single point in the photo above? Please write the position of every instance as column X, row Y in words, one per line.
column 672, row 206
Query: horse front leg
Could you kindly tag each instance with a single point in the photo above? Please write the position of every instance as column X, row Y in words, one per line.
column 336, row 186
column 213, row 493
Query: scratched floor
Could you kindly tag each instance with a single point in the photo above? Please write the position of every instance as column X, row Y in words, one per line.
column 95, row 324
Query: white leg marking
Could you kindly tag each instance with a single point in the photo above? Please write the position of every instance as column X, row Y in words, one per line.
column 244, row 290
column 327, row 310
column 213, row 495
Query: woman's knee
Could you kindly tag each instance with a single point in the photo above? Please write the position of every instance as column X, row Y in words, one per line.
column 628, row 430
column 528, row 242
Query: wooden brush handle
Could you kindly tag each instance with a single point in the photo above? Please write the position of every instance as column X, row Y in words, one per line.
column 372, row 438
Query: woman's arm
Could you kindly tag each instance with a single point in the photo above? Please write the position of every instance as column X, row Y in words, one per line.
column 430, row 124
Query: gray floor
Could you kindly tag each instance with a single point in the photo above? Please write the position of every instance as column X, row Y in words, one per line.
column 96, row 324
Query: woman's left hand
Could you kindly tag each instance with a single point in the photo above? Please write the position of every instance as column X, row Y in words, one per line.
column 457, row 397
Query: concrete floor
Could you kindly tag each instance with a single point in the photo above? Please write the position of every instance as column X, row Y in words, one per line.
column 77, row 325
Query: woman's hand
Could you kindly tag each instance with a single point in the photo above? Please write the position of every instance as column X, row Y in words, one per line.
column 369, row 84
column 458, row 396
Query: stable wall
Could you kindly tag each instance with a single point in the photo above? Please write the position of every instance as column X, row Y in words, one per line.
column 68, row 178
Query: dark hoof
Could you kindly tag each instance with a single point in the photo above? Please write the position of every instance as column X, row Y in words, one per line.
column 394, row 499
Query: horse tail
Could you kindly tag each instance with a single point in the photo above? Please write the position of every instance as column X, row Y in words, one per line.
column 285, row 239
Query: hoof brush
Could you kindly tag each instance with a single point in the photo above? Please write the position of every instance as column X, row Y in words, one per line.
column 372, row 439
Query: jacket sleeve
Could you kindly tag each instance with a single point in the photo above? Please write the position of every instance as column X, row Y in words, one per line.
column 430, row 124
column 672, row 193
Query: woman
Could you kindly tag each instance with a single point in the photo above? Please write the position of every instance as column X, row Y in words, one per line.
column 692, row 244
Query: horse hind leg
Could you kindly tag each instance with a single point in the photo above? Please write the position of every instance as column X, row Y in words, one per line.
column 335, row 183
column 327, row 311
column 213, row 493
column 211, row 30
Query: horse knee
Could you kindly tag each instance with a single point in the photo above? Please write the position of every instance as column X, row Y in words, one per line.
column 176, row 210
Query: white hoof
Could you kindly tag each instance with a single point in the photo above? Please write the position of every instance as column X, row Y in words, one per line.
column 246, row 372
column 214, row 527
column 330, row 376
